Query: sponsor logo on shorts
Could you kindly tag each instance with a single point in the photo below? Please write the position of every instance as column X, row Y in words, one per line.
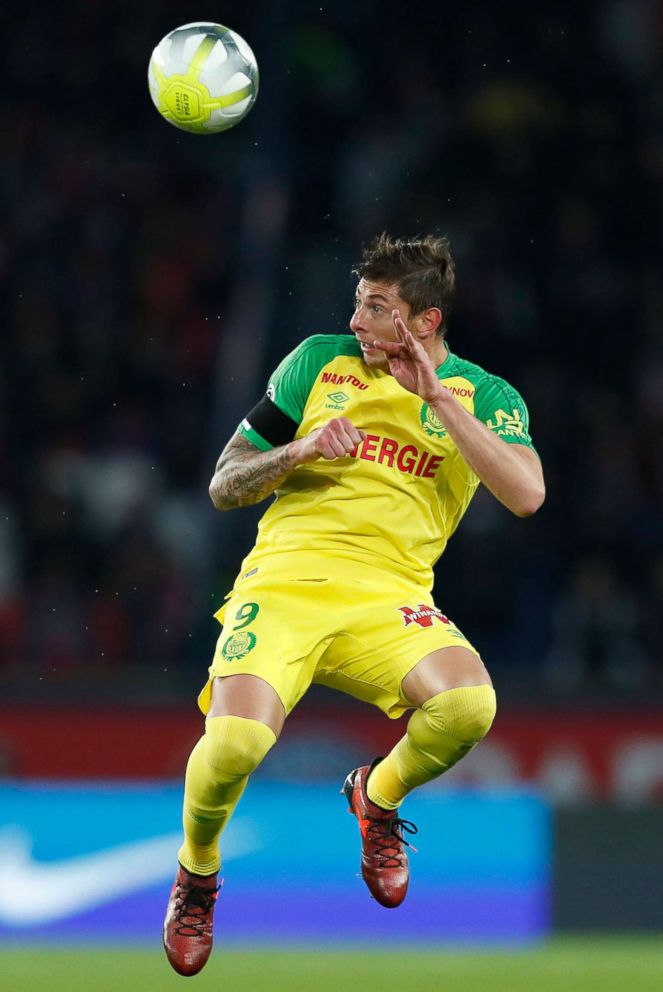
column 238, row 645
column 338, row 400
column 422, row 615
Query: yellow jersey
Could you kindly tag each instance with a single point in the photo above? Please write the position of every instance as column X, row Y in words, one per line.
column 398, row 497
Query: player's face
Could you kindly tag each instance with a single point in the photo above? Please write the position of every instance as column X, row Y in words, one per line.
column 371, row 320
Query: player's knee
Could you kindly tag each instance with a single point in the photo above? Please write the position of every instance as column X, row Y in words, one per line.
column 235, row 746
column 465, row 714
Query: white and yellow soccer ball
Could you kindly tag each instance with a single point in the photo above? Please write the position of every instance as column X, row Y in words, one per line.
column 203, row 78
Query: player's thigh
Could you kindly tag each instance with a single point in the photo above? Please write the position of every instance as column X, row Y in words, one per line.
column 250, row 697
column 452, row 667
column 393, row 631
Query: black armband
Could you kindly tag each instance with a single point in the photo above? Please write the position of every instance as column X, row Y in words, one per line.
column 268, row 420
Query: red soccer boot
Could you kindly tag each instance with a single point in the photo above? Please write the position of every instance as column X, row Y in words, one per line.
column 384, row 865
column 187, row 928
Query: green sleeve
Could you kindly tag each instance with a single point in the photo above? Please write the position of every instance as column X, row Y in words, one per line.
column 292, row 381
column 256, row 439
column 502, row 409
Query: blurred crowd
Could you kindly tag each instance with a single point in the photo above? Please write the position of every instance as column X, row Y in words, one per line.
column 531, row 134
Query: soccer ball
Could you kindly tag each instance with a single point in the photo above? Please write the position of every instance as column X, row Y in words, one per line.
column 203, row 78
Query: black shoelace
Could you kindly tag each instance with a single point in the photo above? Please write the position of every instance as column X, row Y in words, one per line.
column 193, row 908
column 382, row 834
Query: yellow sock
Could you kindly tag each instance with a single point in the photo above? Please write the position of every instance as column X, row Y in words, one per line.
column 445, row 728
column 216, row 776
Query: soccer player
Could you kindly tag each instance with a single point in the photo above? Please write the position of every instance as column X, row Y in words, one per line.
column 374, row 444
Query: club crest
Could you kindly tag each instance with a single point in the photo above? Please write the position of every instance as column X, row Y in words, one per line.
column 238, row 645
column 431, row 424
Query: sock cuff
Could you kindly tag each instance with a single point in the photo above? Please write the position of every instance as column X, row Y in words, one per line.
column 230, row 725
column 377, row 795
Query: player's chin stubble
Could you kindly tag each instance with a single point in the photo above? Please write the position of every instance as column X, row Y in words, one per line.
column 378, row 360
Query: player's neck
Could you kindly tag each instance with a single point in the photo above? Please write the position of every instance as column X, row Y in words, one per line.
column 438, row 352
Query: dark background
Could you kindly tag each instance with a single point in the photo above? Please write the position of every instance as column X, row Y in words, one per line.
column 151, row 280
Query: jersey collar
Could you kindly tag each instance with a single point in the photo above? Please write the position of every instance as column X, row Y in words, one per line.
column 442, row 371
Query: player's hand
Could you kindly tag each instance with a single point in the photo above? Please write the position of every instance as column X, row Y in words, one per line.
column 336, row 439
column 409, row 362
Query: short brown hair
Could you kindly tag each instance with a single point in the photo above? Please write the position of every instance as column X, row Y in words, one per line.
column 422, row 268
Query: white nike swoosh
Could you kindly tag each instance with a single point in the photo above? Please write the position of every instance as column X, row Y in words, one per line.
column 37, row 892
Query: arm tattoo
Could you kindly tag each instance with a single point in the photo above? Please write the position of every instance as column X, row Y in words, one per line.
column 245, row 475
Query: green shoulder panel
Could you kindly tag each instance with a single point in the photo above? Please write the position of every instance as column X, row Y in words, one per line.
column 292, row 381
column 503, row 410
column 496, row 403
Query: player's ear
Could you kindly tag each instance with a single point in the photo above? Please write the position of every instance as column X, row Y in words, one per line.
column 429, row 322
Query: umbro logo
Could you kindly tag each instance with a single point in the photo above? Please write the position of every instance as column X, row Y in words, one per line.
column 338, row 400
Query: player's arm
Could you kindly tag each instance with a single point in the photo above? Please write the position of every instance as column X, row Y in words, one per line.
column 512, row 472
column 246, row 475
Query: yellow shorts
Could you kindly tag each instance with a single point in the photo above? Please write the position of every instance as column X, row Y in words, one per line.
column 354, row 628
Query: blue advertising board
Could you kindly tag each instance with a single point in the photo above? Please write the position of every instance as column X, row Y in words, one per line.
column 96, row 862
